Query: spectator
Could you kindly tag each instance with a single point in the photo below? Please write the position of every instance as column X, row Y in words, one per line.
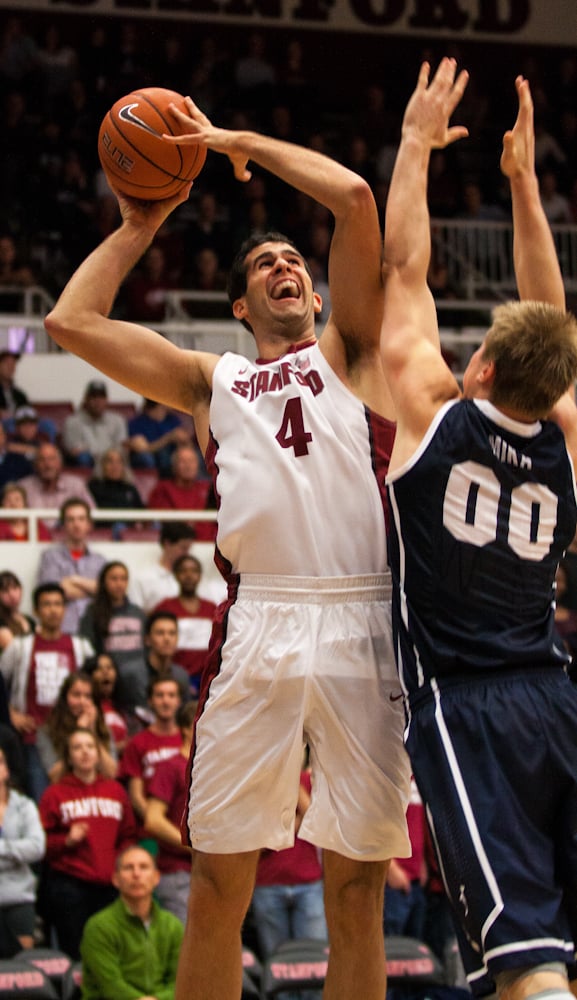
column 159, row 741
column 22, row 843
column 167, row 791
column 11, row 397
column 11, row 743
column 194, row 616
column 154, row 433
column 13, row 270
column 156, row 582
column 104, row 672
column 88, row 820
column 13, row 467
column 16, row 529
column 26, row 431
column 287, row 901
column 49, row 486
column 113, row 624
column 207, row 231
column 555, row 205
column 144, row 292
column 75, row 708
column 184, row 490
column 161, row 639
column 34, row 667
column 89, row 432
column 131, row 947
column 112, row 486
column 71, row 563
column 13, row 622
column 58, row 64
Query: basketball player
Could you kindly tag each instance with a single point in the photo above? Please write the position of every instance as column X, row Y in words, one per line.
column 482, row 499
column 298, row 444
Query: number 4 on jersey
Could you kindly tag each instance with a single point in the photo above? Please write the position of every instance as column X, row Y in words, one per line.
column 292, row 433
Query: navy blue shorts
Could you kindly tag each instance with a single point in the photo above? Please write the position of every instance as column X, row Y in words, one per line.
column 496, row 765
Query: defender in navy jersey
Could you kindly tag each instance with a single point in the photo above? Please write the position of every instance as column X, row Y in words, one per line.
column 482, row 503
column 298, row 444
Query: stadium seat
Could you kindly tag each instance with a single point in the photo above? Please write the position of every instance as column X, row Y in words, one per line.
column 58, row 967
column 296, row 966
column 20, row 980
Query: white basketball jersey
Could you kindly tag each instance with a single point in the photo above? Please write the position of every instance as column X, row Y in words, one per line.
column 299, row 465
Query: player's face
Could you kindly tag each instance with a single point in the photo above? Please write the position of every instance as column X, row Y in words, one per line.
column 278, row 290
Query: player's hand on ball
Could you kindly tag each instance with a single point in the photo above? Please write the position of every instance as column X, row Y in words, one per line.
column 149, row 214
column 196, row 128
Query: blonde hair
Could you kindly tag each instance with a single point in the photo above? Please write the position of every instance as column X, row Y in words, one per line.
column 534, row 348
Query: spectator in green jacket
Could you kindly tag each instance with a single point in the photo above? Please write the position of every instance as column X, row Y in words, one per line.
column 130, row 949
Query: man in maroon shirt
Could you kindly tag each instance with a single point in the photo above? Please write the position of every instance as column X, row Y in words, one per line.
column 34, row 667
column 195, row 617
column 185, row 491
column 159, row 741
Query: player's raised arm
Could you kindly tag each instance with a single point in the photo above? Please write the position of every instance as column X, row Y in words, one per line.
column 138, row 358
column 354, row 261
column 536, row 263
column 418, row 378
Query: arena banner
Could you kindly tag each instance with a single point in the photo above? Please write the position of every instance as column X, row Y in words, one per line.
column 546, row 22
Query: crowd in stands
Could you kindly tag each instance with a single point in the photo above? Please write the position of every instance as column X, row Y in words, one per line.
column 284, row 84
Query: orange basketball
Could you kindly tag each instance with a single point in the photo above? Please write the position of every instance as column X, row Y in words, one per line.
column 134, row 156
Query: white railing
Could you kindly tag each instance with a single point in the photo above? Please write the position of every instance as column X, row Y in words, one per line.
column 479, row 255
column 51, row 514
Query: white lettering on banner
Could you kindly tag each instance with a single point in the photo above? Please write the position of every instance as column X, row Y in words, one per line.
column 521, row 21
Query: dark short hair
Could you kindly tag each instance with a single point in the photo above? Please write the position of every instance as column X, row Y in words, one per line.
column 50, row 587
column 236, row 282
column 74, row 502
column 164, row 678
column 187, row 557
column 176, row 531
column 155, row 616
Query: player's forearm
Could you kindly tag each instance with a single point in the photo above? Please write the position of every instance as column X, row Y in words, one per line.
column 407, row 226
column 318, row 176
column 537, row 267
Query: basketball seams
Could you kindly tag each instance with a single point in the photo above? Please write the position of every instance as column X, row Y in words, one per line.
column 148, row 177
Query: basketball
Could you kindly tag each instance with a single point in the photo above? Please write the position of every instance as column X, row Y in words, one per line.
column 134, row 156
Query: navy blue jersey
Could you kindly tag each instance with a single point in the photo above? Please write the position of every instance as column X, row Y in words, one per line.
column 480, row 517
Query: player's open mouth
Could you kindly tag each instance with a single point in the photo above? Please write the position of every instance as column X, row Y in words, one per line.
column 286, row 289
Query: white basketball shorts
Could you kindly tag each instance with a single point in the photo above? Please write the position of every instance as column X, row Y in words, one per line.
column 304, row 661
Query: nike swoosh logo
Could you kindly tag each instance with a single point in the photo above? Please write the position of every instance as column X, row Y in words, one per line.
column 126, row 114
column 395, row 697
